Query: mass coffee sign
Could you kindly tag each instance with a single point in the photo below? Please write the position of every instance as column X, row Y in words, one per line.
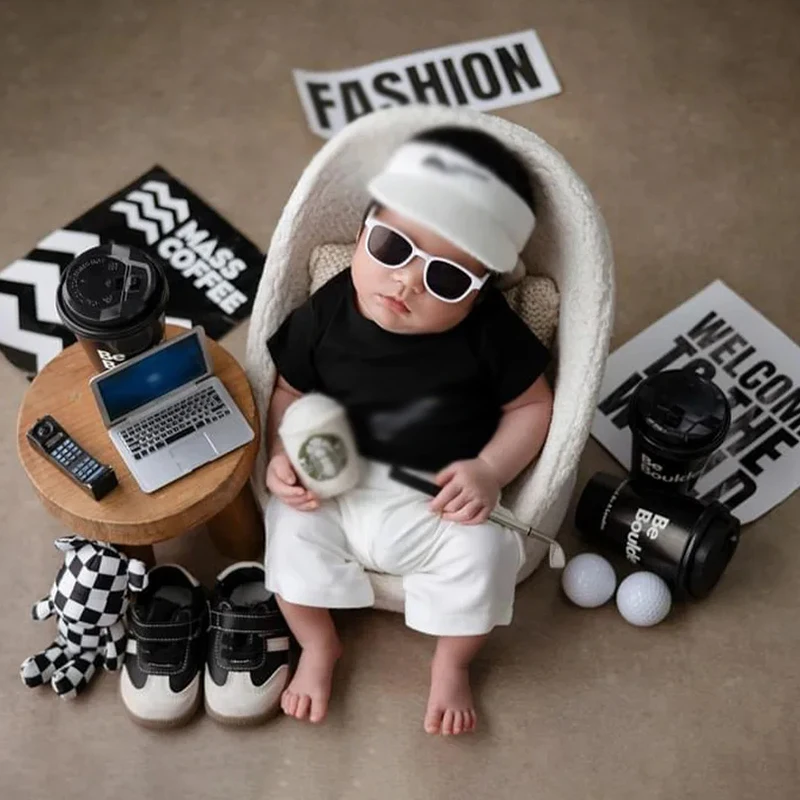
column 486, row 74
column 212, row 269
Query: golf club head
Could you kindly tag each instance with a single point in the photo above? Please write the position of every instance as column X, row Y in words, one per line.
column 556, row 557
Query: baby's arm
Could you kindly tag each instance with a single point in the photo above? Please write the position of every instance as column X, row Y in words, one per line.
column 471, row 488
column 281, row 477
column 521, row 433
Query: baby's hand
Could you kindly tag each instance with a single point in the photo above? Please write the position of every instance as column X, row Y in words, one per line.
column 282, row 482
column 469, row 494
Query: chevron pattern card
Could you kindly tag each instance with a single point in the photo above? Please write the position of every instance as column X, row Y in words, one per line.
column 212, row 268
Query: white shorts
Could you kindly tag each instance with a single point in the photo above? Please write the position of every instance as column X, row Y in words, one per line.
column 459, row 580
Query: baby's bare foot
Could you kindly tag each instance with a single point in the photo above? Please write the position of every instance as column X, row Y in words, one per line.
column 450, row 710
column 306, row 697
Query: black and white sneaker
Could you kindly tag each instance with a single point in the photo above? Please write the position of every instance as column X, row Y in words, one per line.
column 167, row 627
column 248, row 648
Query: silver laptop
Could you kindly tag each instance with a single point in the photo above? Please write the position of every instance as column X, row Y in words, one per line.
column 167, row 413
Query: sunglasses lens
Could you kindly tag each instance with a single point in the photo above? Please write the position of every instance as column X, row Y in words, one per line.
column 388, row 247
column 447, row 281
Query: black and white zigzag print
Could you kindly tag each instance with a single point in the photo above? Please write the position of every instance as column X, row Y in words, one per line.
column 32, row 332
column 145, row 214
column 152, row 210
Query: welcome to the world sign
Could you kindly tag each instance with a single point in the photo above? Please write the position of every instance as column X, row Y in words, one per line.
column 723, row 338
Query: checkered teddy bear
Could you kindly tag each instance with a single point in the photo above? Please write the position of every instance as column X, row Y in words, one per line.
column 89, row 596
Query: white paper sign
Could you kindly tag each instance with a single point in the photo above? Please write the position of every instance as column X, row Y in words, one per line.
column 486, row 74
column 723, row 338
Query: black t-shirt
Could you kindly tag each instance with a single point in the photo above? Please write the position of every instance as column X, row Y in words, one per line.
column 417, row 400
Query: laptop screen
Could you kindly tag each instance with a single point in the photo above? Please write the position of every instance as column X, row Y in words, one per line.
column 127, row 388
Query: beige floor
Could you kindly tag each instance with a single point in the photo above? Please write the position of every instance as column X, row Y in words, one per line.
column 684, row 118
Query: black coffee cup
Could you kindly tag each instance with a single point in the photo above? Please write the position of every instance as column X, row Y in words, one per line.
column 686, row 541
column 113, row 298
column 677, row 420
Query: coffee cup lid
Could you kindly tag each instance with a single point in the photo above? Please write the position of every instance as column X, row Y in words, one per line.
column 109, row 286
column 679, row 410
column 717, row 536
column 308, row 412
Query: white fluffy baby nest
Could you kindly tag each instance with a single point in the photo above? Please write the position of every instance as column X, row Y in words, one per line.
column 570, row 244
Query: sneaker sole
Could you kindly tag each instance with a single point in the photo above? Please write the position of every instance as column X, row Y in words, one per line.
column 165, row 724
column 243, row 722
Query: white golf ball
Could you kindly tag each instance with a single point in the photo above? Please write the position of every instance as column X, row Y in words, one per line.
column 643, row 599
column 589, row 580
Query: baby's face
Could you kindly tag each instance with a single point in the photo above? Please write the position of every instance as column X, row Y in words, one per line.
column 396, row 299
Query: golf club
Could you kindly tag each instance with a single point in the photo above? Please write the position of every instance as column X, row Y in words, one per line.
column 500, row 515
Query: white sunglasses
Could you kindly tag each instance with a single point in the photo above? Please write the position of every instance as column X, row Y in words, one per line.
column 445, row 280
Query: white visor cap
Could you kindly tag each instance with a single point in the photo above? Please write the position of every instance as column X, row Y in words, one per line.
column 457, row 198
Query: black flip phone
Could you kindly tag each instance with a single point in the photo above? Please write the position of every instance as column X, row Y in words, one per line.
column 58, row 447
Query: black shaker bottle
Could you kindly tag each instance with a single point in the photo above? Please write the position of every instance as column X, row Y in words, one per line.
column 677, row 420
column 686, row 541
column 113, row 298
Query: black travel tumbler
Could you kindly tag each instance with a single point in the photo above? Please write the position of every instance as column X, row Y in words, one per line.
column 113, row 298
column 686, row 541
column 677, row 420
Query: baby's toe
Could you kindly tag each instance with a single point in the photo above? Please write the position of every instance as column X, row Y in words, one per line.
column 447, row 722
column 303, row 705
column 458, row 722
column 319, row 708
column 433, row 720
column 470, row 720
column 290, row 700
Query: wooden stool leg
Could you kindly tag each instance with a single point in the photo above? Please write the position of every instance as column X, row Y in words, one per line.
column 238, row 530
column 144, row 552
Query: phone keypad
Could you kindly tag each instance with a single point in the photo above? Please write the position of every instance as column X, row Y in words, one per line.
column 77, row 461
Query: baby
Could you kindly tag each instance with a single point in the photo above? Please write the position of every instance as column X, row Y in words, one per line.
column 437, row 374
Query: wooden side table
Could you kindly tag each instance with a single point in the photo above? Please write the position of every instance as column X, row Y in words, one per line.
column 217, row 494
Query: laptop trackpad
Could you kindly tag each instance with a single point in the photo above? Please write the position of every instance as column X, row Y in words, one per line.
column 189, row 455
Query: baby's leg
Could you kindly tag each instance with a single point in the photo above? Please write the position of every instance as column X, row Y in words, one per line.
column 463, row 589
column 450, row 707
column 310, row 569
column 308, row 694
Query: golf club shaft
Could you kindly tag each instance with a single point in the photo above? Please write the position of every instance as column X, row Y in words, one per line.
column 506, row 519
column 500, row 516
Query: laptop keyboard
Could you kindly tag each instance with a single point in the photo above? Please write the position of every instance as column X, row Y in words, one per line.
column 166, row 426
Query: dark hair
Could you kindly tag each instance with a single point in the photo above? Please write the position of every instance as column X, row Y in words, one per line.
column 486, row 151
